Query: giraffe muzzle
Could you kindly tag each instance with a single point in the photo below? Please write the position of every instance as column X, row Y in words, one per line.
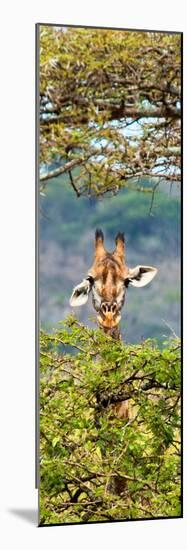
column 109, row 308
column 109, row 316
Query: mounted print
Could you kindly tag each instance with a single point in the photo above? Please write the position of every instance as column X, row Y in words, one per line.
column 109, row 283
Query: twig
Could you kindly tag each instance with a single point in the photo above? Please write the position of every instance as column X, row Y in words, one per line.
column 172, row 330
column 152, row 197
column 73, row 184
column 61, row 170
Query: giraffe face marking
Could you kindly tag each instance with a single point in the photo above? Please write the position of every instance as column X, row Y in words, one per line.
column 108, row 291
column 108, row 279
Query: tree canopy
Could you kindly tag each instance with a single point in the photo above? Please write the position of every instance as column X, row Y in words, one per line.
column 110, row 107
column 95, row 466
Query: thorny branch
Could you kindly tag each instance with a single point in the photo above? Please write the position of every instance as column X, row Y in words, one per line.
column 112, row 111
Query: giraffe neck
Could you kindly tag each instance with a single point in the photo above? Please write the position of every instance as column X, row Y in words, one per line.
column 114, row 332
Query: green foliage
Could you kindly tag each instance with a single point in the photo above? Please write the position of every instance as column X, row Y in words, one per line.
column 94, row 465
column 110, row 105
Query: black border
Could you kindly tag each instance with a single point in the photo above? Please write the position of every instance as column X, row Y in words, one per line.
column 37, row 241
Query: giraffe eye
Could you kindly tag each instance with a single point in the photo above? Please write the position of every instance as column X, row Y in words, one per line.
column 90, row 279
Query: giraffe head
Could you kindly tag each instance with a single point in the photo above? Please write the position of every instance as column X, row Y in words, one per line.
column 108, row 279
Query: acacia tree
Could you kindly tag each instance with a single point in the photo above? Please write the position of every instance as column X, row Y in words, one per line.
column 109, row 107
column 109, row 115
column 94, row 465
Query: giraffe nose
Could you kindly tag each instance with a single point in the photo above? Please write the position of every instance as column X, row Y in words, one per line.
column 108, row 307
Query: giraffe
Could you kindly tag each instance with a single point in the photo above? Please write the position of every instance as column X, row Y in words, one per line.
column 107, row 279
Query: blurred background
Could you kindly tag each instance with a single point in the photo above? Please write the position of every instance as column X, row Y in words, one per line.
column 110, row 112
column 152, row 231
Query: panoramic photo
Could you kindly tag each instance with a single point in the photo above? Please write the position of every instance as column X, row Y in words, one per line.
column 109, row 215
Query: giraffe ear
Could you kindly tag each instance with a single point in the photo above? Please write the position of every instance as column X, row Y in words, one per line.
column 80, row 293
column 141, row 275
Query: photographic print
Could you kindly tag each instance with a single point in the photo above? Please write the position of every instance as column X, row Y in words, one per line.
column 109, row 281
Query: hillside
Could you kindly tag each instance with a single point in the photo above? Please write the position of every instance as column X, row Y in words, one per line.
column 67, row 226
